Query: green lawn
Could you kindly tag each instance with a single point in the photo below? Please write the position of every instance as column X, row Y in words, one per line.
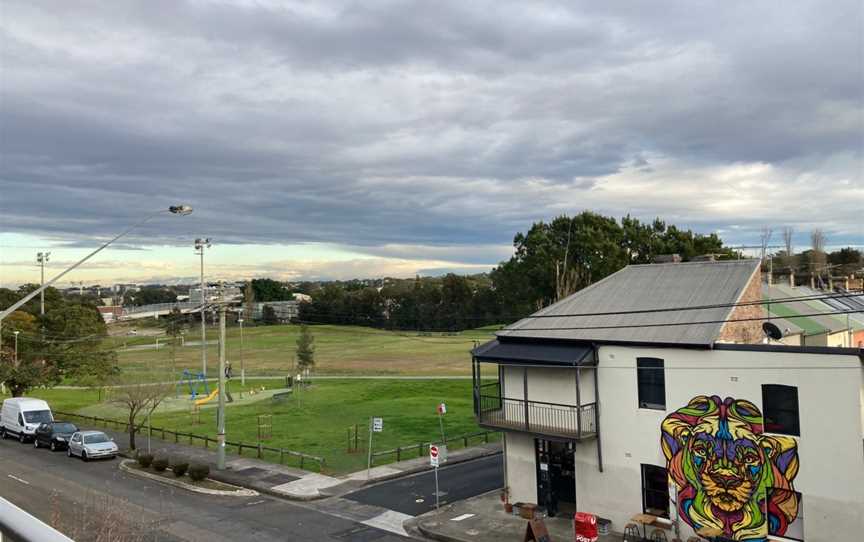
column 317, row 422
column 339, row 350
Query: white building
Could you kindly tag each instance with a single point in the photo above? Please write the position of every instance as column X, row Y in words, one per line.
column 759, row 441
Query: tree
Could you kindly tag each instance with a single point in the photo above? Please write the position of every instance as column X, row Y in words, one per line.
column 817, row 254
column 139, row 393
column 66, row 342
column 268, row 316
column 305, row 349
column 174, row 324
column 788, row 233
column 24, row 367
column 270, row 290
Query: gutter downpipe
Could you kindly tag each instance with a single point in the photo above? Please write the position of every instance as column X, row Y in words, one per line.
column 597, row 405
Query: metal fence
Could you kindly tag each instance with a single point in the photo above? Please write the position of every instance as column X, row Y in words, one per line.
column 257, row 449
column 538, row 416
column 422, row 448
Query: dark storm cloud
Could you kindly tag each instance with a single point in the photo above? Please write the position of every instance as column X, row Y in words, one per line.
column 384, row 126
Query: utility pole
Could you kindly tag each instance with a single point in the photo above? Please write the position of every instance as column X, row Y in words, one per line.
column 16, row 332
column 242, row 367
column 42, row 259
column 200, row 245
column 220, row 418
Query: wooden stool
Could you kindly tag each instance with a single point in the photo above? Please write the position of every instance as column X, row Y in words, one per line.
column 631, row 533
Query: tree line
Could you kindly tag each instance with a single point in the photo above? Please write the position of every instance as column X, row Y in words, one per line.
column 551, row 261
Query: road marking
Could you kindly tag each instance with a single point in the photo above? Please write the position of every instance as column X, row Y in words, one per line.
column 390, row 521
column 463, row 516
column 253, row 503
column 25, row 482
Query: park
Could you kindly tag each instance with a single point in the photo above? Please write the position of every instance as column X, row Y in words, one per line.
column 359, row 373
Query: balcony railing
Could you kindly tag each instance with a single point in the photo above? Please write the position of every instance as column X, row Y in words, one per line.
column 551, row 419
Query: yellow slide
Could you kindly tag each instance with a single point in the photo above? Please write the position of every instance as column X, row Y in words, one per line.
column 207, row 399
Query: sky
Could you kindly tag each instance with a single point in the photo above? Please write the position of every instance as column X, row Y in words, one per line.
column 341, row 139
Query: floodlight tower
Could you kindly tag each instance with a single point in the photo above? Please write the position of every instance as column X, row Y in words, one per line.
column 42, row 259
column 200, row 245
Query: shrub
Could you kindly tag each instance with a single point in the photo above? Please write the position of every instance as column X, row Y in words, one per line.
column 180, row 468
column 145, row 460
column 160, row 464
column 199, row 471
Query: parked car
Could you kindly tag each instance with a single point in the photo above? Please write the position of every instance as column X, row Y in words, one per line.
column 20, row 416
column 91, row 445
column 55, row 435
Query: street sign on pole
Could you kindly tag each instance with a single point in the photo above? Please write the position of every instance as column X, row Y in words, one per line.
column 434, row 457
column 377, row 424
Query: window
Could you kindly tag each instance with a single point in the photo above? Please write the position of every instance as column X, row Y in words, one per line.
column 655, row 491
column 651, row 382
column 787, row 528
column 780, row 409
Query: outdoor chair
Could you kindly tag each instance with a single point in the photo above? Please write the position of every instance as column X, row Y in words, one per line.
column 631, row 533
column 658, row 536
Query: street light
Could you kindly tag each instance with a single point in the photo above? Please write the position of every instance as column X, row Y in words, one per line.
column 242, row 368
column 200, row 245
column 42, row 259
column 174, row 209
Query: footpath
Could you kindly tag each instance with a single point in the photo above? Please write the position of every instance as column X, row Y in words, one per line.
column 483, row 519
column 289, row 482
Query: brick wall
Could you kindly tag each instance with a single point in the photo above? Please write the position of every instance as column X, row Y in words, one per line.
column 746, row 332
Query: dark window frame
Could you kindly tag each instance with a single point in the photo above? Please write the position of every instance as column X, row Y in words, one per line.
column 781, row 410
column 655, row 493
column 651, row 383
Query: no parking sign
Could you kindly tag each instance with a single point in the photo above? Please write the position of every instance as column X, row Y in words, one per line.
column 434, row 455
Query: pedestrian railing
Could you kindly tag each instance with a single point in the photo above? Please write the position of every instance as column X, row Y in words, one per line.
column 258, row 449
column 16, row 525
column 421, row 449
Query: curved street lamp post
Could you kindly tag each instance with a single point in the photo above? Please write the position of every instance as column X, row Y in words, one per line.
column 181, row 210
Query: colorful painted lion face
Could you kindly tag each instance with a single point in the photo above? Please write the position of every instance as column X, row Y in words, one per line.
column 729, row 475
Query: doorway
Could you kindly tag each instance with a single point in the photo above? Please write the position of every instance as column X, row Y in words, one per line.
column 556, row 476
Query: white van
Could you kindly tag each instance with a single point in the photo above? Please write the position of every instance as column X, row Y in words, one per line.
column 20, row 416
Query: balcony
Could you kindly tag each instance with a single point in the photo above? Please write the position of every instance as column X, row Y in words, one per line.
column 549, row 419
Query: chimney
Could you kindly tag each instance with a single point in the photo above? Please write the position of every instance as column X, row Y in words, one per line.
column 667, row 258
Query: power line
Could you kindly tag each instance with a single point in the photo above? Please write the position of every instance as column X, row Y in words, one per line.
column 670, row 324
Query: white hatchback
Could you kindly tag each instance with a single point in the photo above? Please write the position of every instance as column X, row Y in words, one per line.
column 91, row 445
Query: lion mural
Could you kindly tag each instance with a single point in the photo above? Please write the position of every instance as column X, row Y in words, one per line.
column 729, row 475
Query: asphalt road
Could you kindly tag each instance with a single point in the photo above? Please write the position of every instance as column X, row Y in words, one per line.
column 415, row 495
column 77, row 496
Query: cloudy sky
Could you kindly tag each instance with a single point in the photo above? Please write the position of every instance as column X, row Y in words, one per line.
column 342, row 139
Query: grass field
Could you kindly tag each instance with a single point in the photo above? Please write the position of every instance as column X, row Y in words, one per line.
column 317, row 422
column 339, row 350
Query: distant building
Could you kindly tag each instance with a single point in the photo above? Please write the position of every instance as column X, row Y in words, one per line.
column 212, row 293
column 286, row 311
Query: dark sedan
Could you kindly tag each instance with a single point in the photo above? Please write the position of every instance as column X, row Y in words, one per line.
column 54, row 435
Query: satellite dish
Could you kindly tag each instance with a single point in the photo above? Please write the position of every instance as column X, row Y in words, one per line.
column 772, row 331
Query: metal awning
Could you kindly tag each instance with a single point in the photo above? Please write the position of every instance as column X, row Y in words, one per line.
column 535, row 353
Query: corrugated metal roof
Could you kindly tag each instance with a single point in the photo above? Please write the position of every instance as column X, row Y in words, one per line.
column 552, row 354
column 641, row 287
